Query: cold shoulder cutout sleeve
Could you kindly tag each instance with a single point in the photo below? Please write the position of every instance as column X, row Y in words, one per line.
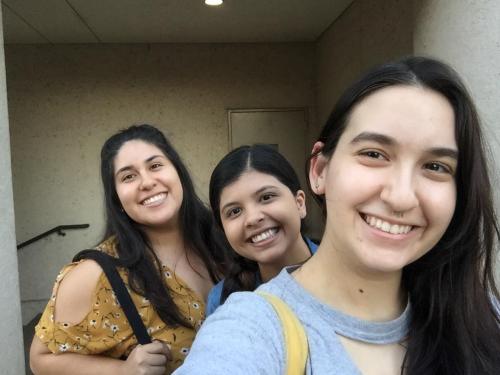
column 105, row 329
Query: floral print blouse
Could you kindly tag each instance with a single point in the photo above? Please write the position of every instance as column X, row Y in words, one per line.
column 105, row 329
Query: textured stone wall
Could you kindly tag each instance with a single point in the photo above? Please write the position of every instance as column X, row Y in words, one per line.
column 65, row 100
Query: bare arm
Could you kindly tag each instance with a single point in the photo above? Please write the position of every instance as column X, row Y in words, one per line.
column 143, row 360
column 43, row 361
column 72, row 305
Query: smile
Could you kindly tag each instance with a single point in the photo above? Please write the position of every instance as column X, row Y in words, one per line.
column 385, row 226
column 264, row 235
column 155, row 199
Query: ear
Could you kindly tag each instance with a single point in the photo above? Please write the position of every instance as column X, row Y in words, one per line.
column 300, row 199
column 317, row 169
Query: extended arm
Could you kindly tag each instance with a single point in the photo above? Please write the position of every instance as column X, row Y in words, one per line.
column 242, row 337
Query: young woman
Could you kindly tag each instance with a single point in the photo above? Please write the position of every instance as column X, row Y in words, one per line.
column 402, row 282
column 161, row 234
column 256, row 199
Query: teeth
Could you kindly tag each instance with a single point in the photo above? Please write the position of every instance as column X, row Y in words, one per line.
column 387, row 227
column 264, row 235
column 154, row 199
column 394, row 229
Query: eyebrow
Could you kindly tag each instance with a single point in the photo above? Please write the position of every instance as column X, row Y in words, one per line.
column 127, row 167
column 255, row 193
column 443, row 152
column 389, row 141
column 375, row 137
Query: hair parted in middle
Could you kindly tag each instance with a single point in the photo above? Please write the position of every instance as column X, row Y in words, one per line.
column 455, row 326
column 261, row 158
column 134, row 248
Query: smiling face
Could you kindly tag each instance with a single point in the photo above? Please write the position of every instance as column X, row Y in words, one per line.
column 147, row 185
column 261, row 217
column 389, row 186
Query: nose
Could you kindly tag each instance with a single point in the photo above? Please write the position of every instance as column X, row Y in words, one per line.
column 399, row 192
column 147, row 182
column 253, row 216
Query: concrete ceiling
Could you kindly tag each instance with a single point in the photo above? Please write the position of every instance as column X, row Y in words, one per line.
column 167, row 21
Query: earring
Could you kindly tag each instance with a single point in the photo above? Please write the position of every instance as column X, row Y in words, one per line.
column 316, row 185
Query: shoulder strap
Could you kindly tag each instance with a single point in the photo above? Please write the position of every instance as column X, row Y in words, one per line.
column 296, row 345
column 108, row 266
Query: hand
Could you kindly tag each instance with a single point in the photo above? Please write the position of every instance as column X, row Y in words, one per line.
column 149, row 359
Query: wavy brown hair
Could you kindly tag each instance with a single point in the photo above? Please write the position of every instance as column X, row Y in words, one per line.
column 133, row 246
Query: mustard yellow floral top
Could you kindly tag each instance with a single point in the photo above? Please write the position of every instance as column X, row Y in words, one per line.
column 105, row 329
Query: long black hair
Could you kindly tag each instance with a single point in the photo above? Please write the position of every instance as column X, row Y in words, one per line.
column 455, row 328
column 133, row 246
column 241, row 274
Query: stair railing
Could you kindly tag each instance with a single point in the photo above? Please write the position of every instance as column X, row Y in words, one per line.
column 59, row 230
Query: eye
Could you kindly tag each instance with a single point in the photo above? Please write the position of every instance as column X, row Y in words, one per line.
column 128, row 177
column 267, row 197
column 372, row 154
column 156, row 166
column 438, row 168
column 233, row 212
column 373, row 158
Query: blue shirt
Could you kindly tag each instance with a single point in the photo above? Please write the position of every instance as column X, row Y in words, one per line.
column 214, row 296
column 245, row 336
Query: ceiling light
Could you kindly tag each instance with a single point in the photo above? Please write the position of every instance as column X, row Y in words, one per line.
column 213, row 2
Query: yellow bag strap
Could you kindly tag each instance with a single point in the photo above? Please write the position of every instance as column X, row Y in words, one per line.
column 296, row 346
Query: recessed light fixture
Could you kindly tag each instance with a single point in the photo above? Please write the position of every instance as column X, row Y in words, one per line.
column 214, row 3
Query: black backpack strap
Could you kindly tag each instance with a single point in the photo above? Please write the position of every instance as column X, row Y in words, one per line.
column 108, row 265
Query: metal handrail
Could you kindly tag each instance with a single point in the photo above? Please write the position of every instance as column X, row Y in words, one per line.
column 59, row 229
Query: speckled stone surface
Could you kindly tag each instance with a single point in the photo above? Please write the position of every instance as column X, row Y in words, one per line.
column 11, row 341
column 65, row 100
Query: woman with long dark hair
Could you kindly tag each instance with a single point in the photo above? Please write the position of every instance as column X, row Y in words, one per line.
column 161, row 236
column 403, row 280
column 257, row 201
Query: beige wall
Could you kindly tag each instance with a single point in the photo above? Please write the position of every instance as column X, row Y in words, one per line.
column 11, row 339
column 65, row 100
column 367, row 33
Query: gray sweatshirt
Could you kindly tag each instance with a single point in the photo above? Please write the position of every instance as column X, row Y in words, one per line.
column 244, row 336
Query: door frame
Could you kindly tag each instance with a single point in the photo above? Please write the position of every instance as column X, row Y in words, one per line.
column 253, row 110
